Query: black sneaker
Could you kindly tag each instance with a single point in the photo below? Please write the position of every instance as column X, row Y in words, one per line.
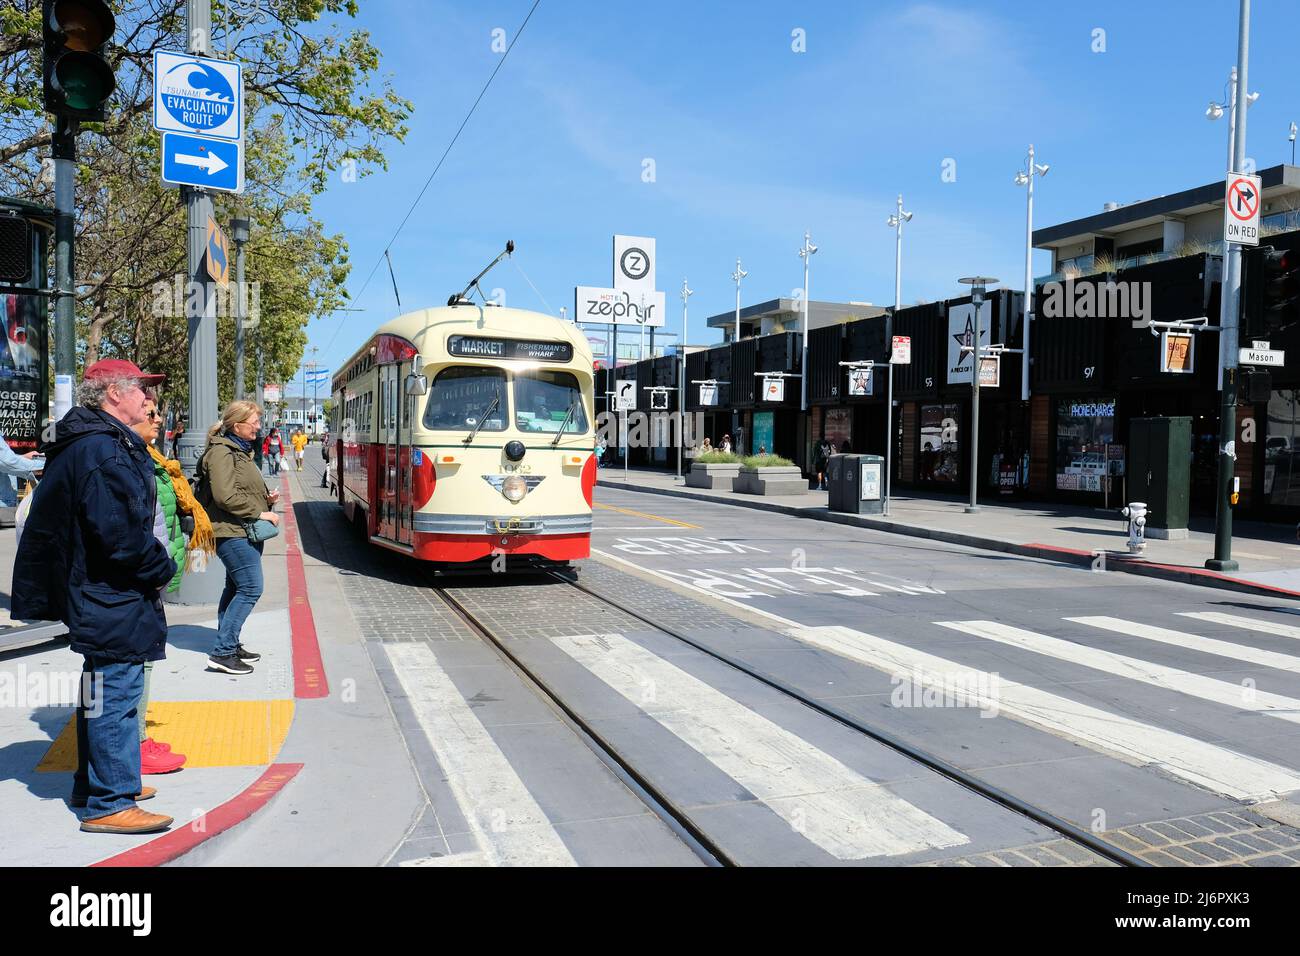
column 247, row 656
column 228, row 665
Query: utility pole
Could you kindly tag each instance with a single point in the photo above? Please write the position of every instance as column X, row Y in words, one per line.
column 65, row 312
column 1229, row 315
column 687, row 292
column 896, row 221
column 737, row 276
column 314, row 380
column 806, row 252
column 203, row 326
column 239, row 232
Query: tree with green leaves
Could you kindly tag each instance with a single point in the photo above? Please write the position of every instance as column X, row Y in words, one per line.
column 315, row 106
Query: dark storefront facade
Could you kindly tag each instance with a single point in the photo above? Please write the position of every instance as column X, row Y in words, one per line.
column 1096, row 368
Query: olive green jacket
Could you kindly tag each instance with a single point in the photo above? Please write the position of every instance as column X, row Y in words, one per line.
column 232, row 490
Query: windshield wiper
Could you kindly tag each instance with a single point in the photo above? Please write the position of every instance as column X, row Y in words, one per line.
column 482, row 420
column 573, row 407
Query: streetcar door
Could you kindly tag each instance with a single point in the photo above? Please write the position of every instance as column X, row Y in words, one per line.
column 405, row 405
column 388, row 454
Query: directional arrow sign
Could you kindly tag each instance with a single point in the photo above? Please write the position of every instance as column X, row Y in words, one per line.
column 200, row 161
column 1241, row 210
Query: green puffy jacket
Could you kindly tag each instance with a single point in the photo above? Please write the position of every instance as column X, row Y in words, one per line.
column 176, row 543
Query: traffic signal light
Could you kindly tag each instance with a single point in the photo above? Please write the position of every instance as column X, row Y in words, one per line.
column 1281, row 288
column 78, row 78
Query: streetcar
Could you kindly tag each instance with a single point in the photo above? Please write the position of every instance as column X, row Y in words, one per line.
column 466, row 432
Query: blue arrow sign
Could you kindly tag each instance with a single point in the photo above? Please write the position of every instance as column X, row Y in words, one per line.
column 199, row 161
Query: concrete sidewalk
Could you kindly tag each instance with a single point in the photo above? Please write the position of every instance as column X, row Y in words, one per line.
column 231, row 729
column 1269, row 555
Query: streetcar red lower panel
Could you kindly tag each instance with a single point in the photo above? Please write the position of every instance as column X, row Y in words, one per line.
column 458, row 548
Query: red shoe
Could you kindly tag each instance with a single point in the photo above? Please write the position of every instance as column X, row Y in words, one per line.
column 153, row 759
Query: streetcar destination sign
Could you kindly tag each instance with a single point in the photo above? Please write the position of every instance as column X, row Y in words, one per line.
column 472, row 346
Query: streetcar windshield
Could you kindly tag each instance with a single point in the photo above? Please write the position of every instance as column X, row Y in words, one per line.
column 462, row 395
column 543, row 399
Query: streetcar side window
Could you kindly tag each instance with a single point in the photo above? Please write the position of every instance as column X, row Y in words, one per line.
column 542, row 401
column 461, row 395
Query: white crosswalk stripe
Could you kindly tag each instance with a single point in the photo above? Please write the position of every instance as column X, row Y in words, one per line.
column 1223, row 692
column 829, row 803
column 1249, row 623
column 1214, row 767
column 1239, row 652
column 509, row 826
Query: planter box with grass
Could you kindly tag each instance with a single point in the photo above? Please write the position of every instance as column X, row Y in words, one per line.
column 715, row 470
column 770, row 475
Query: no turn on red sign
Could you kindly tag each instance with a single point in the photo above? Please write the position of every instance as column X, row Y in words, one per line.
column 1241, row 204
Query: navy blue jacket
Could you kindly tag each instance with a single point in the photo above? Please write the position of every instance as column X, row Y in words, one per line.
column 88, row 556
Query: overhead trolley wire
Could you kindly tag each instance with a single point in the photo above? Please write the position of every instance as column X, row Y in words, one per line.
column 427, row 182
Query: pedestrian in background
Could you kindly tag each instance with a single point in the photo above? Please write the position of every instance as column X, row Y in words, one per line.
column 726, row 444
column 299, row 442
column 325, row 454
column 273, row 448
column 88, row 558
column 238, row 502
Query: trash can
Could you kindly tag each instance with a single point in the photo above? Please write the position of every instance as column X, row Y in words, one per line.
column 857, row 484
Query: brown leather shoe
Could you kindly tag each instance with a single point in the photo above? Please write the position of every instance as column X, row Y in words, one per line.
column 130, row 820
column 146, row 793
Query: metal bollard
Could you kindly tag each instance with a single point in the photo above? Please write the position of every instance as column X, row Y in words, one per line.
column 1136, row 513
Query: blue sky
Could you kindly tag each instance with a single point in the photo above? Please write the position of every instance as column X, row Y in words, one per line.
column 753, row 143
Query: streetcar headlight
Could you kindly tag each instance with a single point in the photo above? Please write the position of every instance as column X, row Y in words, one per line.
column 514, row 488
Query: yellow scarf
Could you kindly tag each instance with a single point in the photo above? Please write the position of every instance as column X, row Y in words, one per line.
column 202, row 539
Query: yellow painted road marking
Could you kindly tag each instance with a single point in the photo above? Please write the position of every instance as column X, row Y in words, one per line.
column 210, row 733
column 642, row 514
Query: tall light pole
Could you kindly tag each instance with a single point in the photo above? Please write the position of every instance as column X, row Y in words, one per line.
column 1228, row 317
column 736, row 277
column 806, row 252
column 239, row 233
column 641, row 320
column 1026, row 177
column 687, row 292
column 1292, row 139
column 978, row 287
column 896, row 221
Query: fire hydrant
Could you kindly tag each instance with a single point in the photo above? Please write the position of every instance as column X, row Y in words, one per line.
column 1136, row 513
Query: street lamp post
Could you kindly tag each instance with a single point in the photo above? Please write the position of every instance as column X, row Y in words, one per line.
column 737, row 276
column 1292, row 139
column 979, row 286
column 686, row 293
column 1230, row 309
column 239, row 233
column 1026, row 177
column 806, row 252
column 896, row 221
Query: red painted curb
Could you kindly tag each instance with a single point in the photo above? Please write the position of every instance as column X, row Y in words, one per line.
column 309, row 679
column 176, row 843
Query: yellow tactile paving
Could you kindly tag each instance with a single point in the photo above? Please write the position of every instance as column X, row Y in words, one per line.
column 211, row 733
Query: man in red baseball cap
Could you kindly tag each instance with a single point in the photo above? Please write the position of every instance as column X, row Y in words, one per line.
column 88, row 557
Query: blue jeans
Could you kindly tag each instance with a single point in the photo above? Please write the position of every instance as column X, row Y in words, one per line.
column 108, row 737
column 243, row 561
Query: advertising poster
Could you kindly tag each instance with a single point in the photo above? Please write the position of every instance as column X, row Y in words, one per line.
column 763, row 432
column 21, row 369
